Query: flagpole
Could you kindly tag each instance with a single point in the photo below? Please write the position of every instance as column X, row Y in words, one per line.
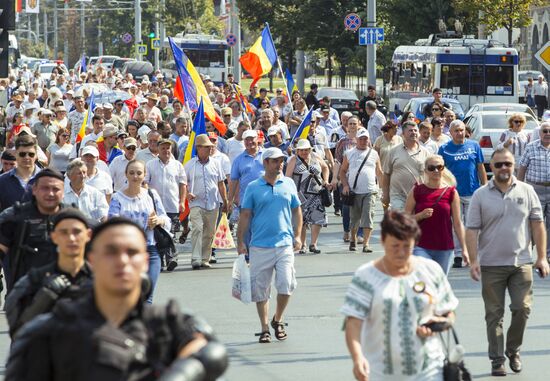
column 296, row 133
column 280, row 69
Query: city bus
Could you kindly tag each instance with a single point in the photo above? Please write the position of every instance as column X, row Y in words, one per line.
column 467, row 69
column 208, row 53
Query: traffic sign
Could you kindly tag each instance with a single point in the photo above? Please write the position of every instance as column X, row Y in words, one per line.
column 127, row 38
column 141, row 49
column 155, row 43
column 543, row 55
column 352, row 22
column 231, row 39
column 370, row 36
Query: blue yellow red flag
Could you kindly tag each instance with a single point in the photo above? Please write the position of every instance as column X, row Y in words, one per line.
column 261, row 57
column 199, row 127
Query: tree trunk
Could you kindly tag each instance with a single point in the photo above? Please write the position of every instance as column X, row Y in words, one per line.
column 329, row 67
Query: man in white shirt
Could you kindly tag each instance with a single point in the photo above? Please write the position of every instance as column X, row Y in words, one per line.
column 235, row 145
column 425, row 132
column 98, row 124
column 167, row 176
column 117, row 168
column 206, row 189
column 277, row 122
column 540, row 91
column 15, row 107
column 76, row 117
column 152, row 112
column 100, row 180
column 152, row 150
column 86, row 198
column 376, row 120
column 328, row 124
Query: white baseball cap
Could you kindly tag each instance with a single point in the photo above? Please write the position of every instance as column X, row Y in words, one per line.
column 90, row 150
column 273, row 131
column 250, row 134
column 272, row 153
column 361, row 133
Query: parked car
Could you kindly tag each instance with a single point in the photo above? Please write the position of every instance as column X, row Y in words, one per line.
column 341, row 99
column 488, row 126
column 46, row 69
column 523, row 75
column 138, row 69
column 106, row 61
column 119, row 62
column 416, row 106
column 509, row 108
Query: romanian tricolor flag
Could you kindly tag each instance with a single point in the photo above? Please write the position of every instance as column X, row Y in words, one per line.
column 303, row 130
column 291, row 86
column 191, row 86
column 261, row 57
column 244, row 101
column 199, row 127
column 18, row 6
column 87, row 119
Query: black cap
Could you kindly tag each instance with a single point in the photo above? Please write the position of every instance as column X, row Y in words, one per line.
column 8, row 155
column 70, row 213
column 325, row 108
column 371, row 87
column 48, row 172
column 263, row 90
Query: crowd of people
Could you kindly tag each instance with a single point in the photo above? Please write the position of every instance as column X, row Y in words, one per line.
column 441, row 209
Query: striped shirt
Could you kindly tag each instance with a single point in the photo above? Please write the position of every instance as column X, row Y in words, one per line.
column 537, row 161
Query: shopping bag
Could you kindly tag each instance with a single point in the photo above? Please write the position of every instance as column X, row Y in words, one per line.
column 241, row 289
column 223, row 238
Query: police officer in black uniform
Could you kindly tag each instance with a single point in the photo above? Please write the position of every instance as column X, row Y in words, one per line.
column 112, row 334
column 371, row 96
column 68, row 277
column 25, row 227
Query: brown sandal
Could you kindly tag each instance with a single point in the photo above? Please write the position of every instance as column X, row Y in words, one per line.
column 183, row 236
column 279, row 328
column 265, row 337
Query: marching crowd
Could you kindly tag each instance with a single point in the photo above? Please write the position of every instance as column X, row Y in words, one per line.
column 275, row 186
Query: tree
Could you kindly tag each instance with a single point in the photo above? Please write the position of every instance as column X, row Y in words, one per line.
column 495, row 14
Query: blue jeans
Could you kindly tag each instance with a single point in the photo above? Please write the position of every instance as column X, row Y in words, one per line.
column 154, row 269
column 443, row 257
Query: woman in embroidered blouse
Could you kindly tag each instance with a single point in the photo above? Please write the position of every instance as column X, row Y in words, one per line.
column 136, row 203
column 387, row 305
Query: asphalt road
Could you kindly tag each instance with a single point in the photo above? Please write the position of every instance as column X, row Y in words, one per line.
column 315, row 349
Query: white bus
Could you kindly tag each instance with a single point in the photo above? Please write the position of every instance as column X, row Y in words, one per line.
column 467, row 69
column 208, row 54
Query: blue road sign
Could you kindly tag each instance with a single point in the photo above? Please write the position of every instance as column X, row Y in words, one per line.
column 127, row 38
column 352, row 22
column 370, row 36
column 231, row 39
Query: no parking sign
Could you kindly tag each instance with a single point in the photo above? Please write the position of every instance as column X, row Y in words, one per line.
column 352, row 22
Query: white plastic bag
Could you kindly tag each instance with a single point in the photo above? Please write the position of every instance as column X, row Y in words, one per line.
column 241, row 289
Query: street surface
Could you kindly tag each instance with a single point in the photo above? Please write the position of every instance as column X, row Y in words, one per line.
column 315, row 349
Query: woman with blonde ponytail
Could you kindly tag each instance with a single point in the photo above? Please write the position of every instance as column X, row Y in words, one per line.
column 436, row 206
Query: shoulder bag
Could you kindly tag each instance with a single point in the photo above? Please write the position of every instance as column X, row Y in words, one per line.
column 350, row 197
column 453, row 367
column 163, row 239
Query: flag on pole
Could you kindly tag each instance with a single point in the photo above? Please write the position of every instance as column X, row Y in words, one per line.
column 199, row 127
column 291, row 85
column 193, row 89
column 303, row 130
column 83, row 67
column 244, row 102
column 87, row 119
column 261, row 57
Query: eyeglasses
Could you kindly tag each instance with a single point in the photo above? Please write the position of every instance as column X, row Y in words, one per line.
column 545, row 131
column 500, row 164
column 118, row 104
column 25, row 154
column 131, row 148
column 436, row 109
column 518, row 121
column 65, row 135
column 432, row 168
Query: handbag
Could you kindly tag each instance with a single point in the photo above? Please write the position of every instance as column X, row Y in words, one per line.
column 453, row 366
column 326, row 196
column 241, row 288
column 349, row 199
column 163, row 239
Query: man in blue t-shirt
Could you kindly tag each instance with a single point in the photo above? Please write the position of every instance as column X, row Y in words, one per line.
column 464, row 159
column 271, row 210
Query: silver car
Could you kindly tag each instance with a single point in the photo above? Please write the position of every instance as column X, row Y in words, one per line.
column 504, row 107
column 488, row 126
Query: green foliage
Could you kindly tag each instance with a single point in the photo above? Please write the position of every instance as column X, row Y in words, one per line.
column 30, row 48
column 496, row 14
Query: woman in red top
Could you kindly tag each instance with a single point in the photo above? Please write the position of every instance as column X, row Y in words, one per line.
column 436, row 206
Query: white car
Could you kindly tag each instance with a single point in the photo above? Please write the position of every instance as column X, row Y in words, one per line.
column 46, row 69
column 509, row 108
column 106, row 61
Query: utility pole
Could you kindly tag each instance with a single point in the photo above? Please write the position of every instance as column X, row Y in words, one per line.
column 66, row 39
column 46, row 55
column 82, row 27
column 137, row 26
column 300, row 70
column 156, row 52
column 162, row 35
column 55, row 23
column 99, row 38
column 236, row 30
column 371, row 49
